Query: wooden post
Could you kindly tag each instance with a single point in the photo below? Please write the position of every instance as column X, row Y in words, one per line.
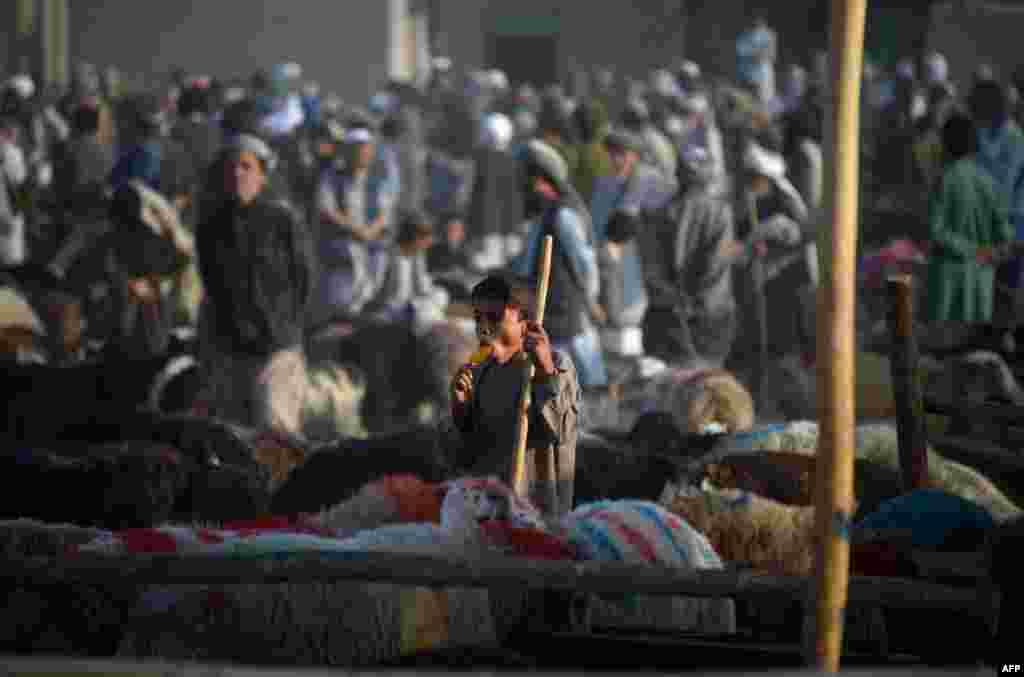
column 21, row 54
column 519, row 478
column 55, row 43
column 836, row 338
column 903, row 356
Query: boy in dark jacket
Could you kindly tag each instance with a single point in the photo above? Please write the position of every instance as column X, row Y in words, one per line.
column 485, row 398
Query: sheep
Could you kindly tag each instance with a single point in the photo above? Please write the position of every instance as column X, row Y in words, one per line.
column 336, row 472
column 277, row 452
column 609, row 469
column 696, row 397
column 746, row 528
column 390, row 500
column 749, row 530
column 878, row 443
column 403, row 370
column 333, row 399
column 130, row 485
column 788, row 477
column 146, row 469
column 877, row 464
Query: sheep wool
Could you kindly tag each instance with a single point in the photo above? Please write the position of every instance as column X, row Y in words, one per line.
column 746, row 528
column 331, row 408
column 470, row 501
column 277, row 452
column 391, row 499
column 878, row 442
column 696, row 397
column 418, row 501
column 366, row 510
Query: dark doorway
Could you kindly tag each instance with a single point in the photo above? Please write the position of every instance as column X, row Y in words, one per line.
column 525, row 58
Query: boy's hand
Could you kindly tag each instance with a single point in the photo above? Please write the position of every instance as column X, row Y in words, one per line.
column 538, row 345
column 462, row 386
column 143, row 290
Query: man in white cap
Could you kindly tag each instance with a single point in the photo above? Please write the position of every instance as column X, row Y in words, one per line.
column 355, row 205
column 495, row 206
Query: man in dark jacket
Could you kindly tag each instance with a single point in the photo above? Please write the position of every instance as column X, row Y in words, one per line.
column 258, row 266
column 148, row 247
column 199, row 137
column 689, row 253
column 495, row 208
column 82, row 167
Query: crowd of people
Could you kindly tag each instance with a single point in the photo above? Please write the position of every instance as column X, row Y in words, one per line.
column 684, row 209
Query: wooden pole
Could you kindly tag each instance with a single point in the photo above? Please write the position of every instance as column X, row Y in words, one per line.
column 903, row 356
column 836, row 338
column 519, row 478
column 22, row 54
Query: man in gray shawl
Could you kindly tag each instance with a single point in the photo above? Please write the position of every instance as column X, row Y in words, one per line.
column 688, row 253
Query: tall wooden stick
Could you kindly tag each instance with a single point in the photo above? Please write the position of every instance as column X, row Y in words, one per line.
column 913, row 439
column 836, row 343
column 519, row 479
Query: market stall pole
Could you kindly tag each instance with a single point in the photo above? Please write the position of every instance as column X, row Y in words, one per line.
column 910, row 415
column 836, row 337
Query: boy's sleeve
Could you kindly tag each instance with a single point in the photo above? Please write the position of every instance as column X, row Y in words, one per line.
column 554, row 405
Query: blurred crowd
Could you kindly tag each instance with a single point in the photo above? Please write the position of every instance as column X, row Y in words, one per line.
column 684, row 209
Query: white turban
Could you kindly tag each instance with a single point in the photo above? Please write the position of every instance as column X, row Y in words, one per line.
column 358, row 135
column 22, row 85
column 256, row 146
column 497, row 131
column 764, row 162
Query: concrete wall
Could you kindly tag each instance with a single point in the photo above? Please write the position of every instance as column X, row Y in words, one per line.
column 985, row 33
column 612, row 33
column 343, row 44
column 635, row 37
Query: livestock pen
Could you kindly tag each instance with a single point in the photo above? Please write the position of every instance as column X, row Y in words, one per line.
column 542, row 604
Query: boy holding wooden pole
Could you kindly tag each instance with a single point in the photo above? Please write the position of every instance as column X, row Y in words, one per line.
column 486, row 397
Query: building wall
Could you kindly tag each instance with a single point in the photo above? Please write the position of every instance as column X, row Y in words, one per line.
column 636, row 37
column 611, row 33
column 343, row 44
column 987, row 33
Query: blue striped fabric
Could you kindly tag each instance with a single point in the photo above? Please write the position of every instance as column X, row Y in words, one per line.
column 638, row 532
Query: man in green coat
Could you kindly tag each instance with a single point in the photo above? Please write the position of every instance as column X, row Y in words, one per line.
column 968, row 223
